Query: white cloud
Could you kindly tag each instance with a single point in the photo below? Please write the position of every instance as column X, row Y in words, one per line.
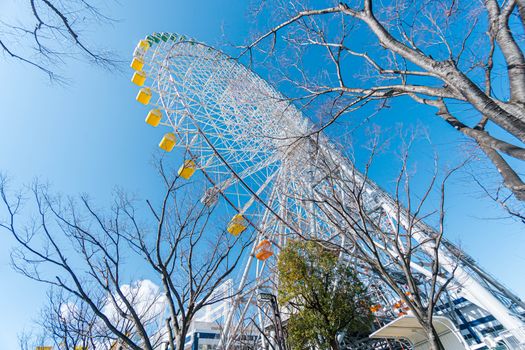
column 68, row 311
column 145, row 296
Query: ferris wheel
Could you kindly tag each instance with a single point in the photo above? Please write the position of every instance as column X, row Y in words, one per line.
column 250, row 144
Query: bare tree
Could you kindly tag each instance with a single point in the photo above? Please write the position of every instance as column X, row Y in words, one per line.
column 68, row 324
column 388, row 245
column 50, row 31
column 462, row 59
column 27, row 340
column 193, row 258
column 92, row 256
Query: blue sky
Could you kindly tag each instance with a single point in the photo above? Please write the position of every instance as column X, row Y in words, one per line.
column 89, row 136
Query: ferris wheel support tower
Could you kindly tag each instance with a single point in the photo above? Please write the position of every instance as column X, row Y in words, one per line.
column 236, row 129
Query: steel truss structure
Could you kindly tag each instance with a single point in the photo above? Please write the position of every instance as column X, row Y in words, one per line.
column 252, row 146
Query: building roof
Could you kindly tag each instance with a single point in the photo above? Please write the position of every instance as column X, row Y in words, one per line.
column 407, row 327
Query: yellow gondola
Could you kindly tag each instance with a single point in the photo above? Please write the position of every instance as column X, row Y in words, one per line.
column 237, row 225
column 137, row 63
column 154, row 116
column 139, row 78
column 143, row 44
column 187, row 169
column 141, row 49
column 144, row 96
column 168, row 142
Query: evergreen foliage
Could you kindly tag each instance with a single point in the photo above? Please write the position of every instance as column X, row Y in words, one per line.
column 325, row 297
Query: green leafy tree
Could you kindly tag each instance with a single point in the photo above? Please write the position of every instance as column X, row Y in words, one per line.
column 325, row 296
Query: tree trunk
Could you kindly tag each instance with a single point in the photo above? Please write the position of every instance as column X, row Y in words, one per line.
column 433, row 339
column 180, row 340
column 334, row 344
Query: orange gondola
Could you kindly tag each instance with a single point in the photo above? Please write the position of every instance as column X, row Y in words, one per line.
column 263, row 250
